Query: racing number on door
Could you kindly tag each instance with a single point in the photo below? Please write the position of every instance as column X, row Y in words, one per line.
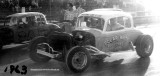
column 111, row 43
column 115, row 43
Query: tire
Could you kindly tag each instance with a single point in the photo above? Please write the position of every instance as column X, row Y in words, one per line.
column 33, row 50
column 144, row 45
column 73, row 57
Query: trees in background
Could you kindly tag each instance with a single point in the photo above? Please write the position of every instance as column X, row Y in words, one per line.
column 53, row 8
column 14, row 5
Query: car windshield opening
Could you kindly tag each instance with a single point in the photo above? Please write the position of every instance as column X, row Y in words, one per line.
column 91, row 22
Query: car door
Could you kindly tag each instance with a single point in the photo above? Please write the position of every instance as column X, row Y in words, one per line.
column 42, row 26
column 114, row 40
column 33, row 27
column 21, row 30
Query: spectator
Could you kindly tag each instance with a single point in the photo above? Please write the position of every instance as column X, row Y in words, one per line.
column 69, row 13
column 31, row 21
column 78, row 10
column 68, row 18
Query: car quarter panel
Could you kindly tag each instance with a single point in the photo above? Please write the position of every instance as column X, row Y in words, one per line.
column 133, row 34
column 119, row 40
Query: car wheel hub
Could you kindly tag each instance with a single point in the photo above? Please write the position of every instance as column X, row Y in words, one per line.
column 79, row 60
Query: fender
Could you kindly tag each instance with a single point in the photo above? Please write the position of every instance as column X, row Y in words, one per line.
column 6, row 35
column 94, row 52
column 52, row 29
column 61, row 42
column 58, row 39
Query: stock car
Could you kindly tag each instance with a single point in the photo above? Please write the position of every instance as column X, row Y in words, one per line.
column 92, row 38
column 22, row 27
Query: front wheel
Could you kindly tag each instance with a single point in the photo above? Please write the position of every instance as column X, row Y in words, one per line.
column 78, row 59
column 36, row 45
column 144, row 45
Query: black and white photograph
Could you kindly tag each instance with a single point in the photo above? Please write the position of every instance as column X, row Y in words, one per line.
column 79, row 38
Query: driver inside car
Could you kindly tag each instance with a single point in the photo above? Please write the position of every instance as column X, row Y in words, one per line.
column 114, row 25
column 13, row 21
column 31, row 21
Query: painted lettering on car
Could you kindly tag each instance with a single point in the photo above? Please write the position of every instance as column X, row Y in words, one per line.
column 115, row 42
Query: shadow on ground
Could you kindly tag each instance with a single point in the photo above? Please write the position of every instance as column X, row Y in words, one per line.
column 137, row 68
column 12, row 55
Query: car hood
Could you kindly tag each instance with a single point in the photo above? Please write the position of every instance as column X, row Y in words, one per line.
column 94, row 31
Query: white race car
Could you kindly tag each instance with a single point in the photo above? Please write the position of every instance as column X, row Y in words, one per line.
column 97, row 34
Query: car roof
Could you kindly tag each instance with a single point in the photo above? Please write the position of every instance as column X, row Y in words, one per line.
column 107, row 9
column 106, row 13
column 25, row 14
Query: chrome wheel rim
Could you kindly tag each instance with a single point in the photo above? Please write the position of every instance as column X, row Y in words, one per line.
column 79, row 60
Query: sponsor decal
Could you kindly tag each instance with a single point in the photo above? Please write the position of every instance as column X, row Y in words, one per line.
column 116, row 42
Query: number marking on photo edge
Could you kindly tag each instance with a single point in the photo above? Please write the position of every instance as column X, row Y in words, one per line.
column 17, row 69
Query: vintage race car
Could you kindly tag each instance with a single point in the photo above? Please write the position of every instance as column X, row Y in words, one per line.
column 98, row 34
column 22, row 27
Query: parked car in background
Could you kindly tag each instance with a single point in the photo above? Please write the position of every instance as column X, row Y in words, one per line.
column 22, row 27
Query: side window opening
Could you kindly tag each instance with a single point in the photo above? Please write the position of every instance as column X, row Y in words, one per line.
column 22, row 21
column 40, row 19
column 32, row 21
column 114, row 24
column 120, row 20
column 13, row 21
column 118, row 23
column 127, row 22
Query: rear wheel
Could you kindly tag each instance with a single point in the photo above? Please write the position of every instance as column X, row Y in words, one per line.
column 78, row 59
column 36, row 45
column 144, row 45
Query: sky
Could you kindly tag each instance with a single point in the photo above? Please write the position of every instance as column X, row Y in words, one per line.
column 151, row 5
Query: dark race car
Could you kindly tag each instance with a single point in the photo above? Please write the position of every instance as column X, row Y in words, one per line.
column 22, row 27
column 98, row 34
